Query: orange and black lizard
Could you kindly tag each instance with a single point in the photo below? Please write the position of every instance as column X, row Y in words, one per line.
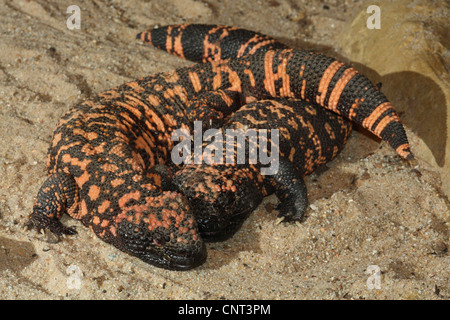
column 109, row 162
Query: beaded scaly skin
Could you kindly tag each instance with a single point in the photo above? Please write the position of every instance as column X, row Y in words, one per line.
column 109, row 160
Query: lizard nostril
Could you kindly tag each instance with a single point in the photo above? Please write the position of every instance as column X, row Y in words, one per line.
column 158, row 239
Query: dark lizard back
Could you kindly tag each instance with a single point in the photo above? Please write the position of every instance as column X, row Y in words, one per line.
column 109, row 156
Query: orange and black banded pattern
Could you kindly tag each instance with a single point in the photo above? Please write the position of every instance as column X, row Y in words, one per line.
column 206, row 43
column 224, row 190
column 109, row 160
column 268, row 70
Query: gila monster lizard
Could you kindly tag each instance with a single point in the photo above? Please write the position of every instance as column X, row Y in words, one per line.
column 108, row 155
column 223, row 195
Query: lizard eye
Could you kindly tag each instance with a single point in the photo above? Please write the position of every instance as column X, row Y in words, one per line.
column 158, row 239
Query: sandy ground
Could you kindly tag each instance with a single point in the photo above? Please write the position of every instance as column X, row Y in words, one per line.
column 368, row 208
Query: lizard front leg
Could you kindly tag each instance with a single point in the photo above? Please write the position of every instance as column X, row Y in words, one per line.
column 58, row 195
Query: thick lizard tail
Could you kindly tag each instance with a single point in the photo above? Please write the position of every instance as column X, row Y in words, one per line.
column 267, row 69
column 317, row 78
column 204, row 43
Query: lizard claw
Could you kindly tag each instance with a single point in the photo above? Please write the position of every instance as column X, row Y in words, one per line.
column 291, row 211
column 41, row 222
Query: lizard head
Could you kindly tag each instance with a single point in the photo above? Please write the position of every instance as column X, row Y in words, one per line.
column 162, row 232
column 222, row 197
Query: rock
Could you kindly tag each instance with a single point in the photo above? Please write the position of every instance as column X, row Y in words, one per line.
column 410, row 56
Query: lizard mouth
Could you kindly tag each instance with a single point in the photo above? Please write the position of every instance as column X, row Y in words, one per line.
column 179, row 260
column 219, row 228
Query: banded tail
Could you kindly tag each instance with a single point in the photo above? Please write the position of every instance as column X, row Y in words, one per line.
column 269, row 69
column 206, row 43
